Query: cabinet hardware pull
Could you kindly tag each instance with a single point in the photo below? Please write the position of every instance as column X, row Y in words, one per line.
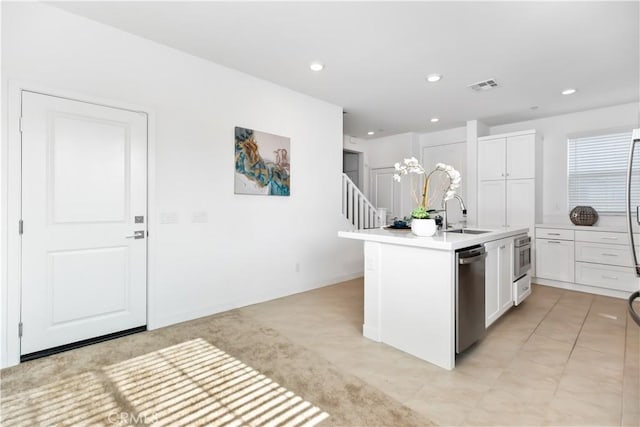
column 609, row 277
column 553, row 234
column 609, row 238
column 552, row 241
column 525, row 289
column 503, row 246
column 606, row 254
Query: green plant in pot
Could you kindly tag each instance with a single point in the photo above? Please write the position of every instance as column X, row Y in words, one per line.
column 419, row 213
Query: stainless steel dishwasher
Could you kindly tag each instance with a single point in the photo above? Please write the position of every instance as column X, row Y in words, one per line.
column 470, row 309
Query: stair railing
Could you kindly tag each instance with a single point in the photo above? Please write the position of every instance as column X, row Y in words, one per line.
column 356, row 207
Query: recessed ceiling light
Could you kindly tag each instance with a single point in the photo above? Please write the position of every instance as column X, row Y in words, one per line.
column 569, row 91
column 435, row 120
column 316, row 66
column 371, row 132
column 432, row 78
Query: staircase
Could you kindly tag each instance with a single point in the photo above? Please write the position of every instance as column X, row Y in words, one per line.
column 356, row 208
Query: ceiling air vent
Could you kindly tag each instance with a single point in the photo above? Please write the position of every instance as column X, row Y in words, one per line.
column 484, row 85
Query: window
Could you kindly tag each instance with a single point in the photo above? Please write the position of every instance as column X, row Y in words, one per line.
column 597, row 172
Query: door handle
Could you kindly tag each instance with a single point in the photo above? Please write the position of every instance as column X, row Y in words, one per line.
column 136, row 235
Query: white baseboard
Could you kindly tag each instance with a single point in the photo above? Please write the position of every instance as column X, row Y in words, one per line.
column 371, row 333
column 581, row 288
column 184, row 316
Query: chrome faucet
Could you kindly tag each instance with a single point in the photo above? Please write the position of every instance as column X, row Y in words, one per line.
column 463, row 208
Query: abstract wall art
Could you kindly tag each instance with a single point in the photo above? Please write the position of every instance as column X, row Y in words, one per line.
column 262, row 163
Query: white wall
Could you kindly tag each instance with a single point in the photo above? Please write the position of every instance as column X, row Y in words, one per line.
column 384, row 153
column 249, row 249
column 442, row 137
column 555, row 131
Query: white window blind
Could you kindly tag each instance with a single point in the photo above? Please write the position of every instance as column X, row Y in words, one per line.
column 597, row 172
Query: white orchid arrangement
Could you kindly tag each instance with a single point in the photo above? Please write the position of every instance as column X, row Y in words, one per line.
column 412, row 166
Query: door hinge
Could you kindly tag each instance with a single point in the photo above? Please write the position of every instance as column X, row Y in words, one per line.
column 20, row 227
column 21, row 124
column 20, row 329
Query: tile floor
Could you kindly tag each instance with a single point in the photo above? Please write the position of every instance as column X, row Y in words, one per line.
column 561, row 358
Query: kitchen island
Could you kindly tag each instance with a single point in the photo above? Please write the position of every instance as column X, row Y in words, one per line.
column 410, row 285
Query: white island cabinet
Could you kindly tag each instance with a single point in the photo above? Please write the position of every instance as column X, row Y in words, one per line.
column 410, row 288
column 499, row 279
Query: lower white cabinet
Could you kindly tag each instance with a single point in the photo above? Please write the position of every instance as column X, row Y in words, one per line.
column 507, row 203
column 555, row 259
column 607, row 276
column 521, row 203
column 498, row 279
column 590, row 259
column 491, row 206
column 521, row 289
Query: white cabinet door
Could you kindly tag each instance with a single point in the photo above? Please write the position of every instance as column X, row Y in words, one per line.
column 491, row 159
column 505, row 261
column 498, row 283
column 555, row 259
column 492, row 283
column 521, row 203
column 520, row 157
column 491, row 203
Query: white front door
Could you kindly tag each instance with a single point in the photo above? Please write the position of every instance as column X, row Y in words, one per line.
column 84, row 193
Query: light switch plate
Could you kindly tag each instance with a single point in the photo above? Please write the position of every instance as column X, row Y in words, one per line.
column 168, row 217
column 199, row 217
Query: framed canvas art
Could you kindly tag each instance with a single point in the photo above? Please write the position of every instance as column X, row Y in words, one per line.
column 262, row 163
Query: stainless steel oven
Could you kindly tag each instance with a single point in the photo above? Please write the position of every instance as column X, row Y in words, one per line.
column 522, row 256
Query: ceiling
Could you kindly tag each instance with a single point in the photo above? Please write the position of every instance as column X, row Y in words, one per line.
column 377, row 54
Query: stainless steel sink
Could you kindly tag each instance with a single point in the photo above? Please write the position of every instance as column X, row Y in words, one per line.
column 467, row 231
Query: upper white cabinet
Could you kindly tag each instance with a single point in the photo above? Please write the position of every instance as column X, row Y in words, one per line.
column 492, row 159
column 521, row 156
column 507, row 190
column 510, row 156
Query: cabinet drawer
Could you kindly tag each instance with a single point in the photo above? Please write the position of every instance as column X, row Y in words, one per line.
column 606, row 276
column 604, row 254
column 554, row 233
column 521, row 289
column 602, row 237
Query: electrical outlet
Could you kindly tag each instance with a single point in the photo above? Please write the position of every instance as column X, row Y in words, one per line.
column 297, row 267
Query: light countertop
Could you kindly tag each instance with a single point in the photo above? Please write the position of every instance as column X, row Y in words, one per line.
column 446, row 241
column 610, row 229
